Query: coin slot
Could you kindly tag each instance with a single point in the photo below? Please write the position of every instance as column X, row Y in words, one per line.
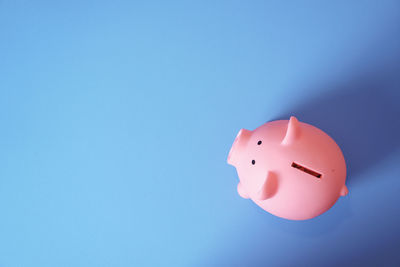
column 306, row 170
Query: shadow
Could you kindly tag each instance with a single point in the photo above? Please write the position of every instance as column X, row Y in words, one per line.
column 361, row 114
column 360, row 110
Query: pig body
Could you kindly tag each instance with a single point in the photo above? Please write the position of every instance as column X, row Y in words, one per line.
column 289, row 168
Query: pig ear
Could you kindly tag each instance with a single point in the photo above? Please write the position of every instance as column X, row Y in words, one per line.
column 242, row 192
column 269, row 186
column 292, row 132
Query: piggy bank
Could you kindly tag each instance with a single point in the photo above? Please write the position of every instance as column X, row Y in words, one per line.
column 289, row 168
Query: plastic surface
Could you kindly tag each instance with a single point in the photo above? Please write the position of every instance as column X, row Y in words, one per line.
column 289, row 168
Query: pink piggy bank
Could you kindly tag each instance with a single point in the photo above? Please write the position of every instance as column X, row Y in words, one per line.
column 289, row 168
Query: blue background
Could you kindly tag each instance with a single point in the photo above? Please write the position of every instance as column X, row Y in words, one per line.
column 117, row 118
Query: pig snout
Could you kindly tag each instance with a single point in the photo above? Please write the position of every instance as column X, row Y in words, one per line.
column 238, row 146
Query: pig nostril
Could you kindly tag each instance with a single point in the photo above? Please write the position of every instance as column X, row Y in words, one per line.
column 259, row 142
column 253, row 162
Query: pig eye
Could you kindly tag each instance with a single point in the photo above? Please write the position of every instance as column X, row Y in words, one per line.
column 253, row 162
column 259, row 142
